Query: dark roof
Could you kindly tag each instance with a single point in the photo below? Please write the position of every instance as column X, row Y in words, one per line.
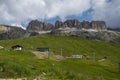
column 16, row 46
column 42, row 49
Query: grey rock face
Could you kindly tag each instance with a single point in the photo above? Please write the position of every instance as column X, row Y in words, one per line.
column 95, row 30
column 72, row 23
column 58, row 24
column 108, row 36
column 96, row 25
column 86, row 25
column 114, row 29
column 36, row 26
column 3, row 28
column 13, row 33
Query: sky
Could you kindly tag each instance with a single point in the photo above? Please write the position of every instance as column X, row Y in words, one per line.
column 21, row 12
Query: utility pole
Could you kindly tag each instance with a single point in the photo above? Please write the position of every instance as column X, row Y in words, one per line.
column 93, row 57
column 119, row 67
column 48, row 53
column 61, row 49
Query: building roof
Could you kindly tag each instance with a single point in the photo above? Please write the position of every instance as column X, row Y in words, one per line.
column 42, row 49
column 16, row 46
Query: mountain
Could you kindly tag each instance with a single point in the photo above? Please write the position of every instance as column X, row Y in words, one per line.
column 108, row 36
column 3, row 28
column 12, row 32
column 96, row 30
column 114, row 29
column 96, row 25
column 37, row 26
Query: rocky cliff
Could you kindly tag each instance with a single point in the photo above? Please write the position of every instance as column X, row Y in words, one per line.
column 95, row 30
column 3, row 29
column 72, row 23
column 114, row 29
column 58, row 24
column 37, row 26
column 109, row 36
column 12, row 32
column 96, row 25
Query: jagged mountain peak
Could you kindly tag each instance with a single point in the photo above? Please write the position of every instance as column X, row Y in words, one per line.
column 11, row 32
column 36, row 26
column 96, row 30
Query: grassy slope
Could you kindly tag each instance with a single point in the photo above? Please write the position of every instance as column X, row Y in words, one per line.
column 24, row 63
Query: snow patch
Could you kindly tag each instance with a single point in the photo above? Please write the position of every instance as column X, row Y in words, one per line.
column 44, row 32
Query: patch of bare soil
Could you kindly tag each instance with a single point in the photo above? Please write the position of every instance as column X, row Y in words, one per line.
column 15, row 79
column 43, row 55
column 57, row 57
column 40, row 55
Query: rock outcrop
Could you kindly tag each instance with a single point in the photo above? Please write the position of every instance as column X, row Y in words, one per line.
column 95, row 30
column 3, row 28
column 114, row 29
column 72, row 24
column 86, row 25
column 98, row 25
column 109, row 36
column 37, row 26
column 95, row 25
column 58, row 24
column 12, row 32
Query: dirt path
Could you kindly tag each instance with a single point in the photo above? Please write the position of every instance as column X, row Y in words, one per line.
column 14, row 79
column 43, row 55
column 40, row 55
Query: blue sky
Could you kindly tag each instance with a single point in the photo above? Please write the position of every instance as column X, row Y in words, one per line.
column 84, row 17
column 21, row 12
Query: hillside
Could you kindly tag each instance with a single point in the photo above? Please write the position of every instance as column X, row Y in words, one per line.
column 12, row 32
column 24, row 64
column 94, row 30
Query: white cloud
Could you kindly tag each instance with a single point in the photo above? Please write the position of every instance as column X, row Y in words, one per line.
column 68, row 7
column 19, row 11
column 107, row 10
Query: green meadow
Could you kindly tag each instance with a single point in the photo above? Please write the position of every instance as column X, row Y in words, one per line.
column 20, row 64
